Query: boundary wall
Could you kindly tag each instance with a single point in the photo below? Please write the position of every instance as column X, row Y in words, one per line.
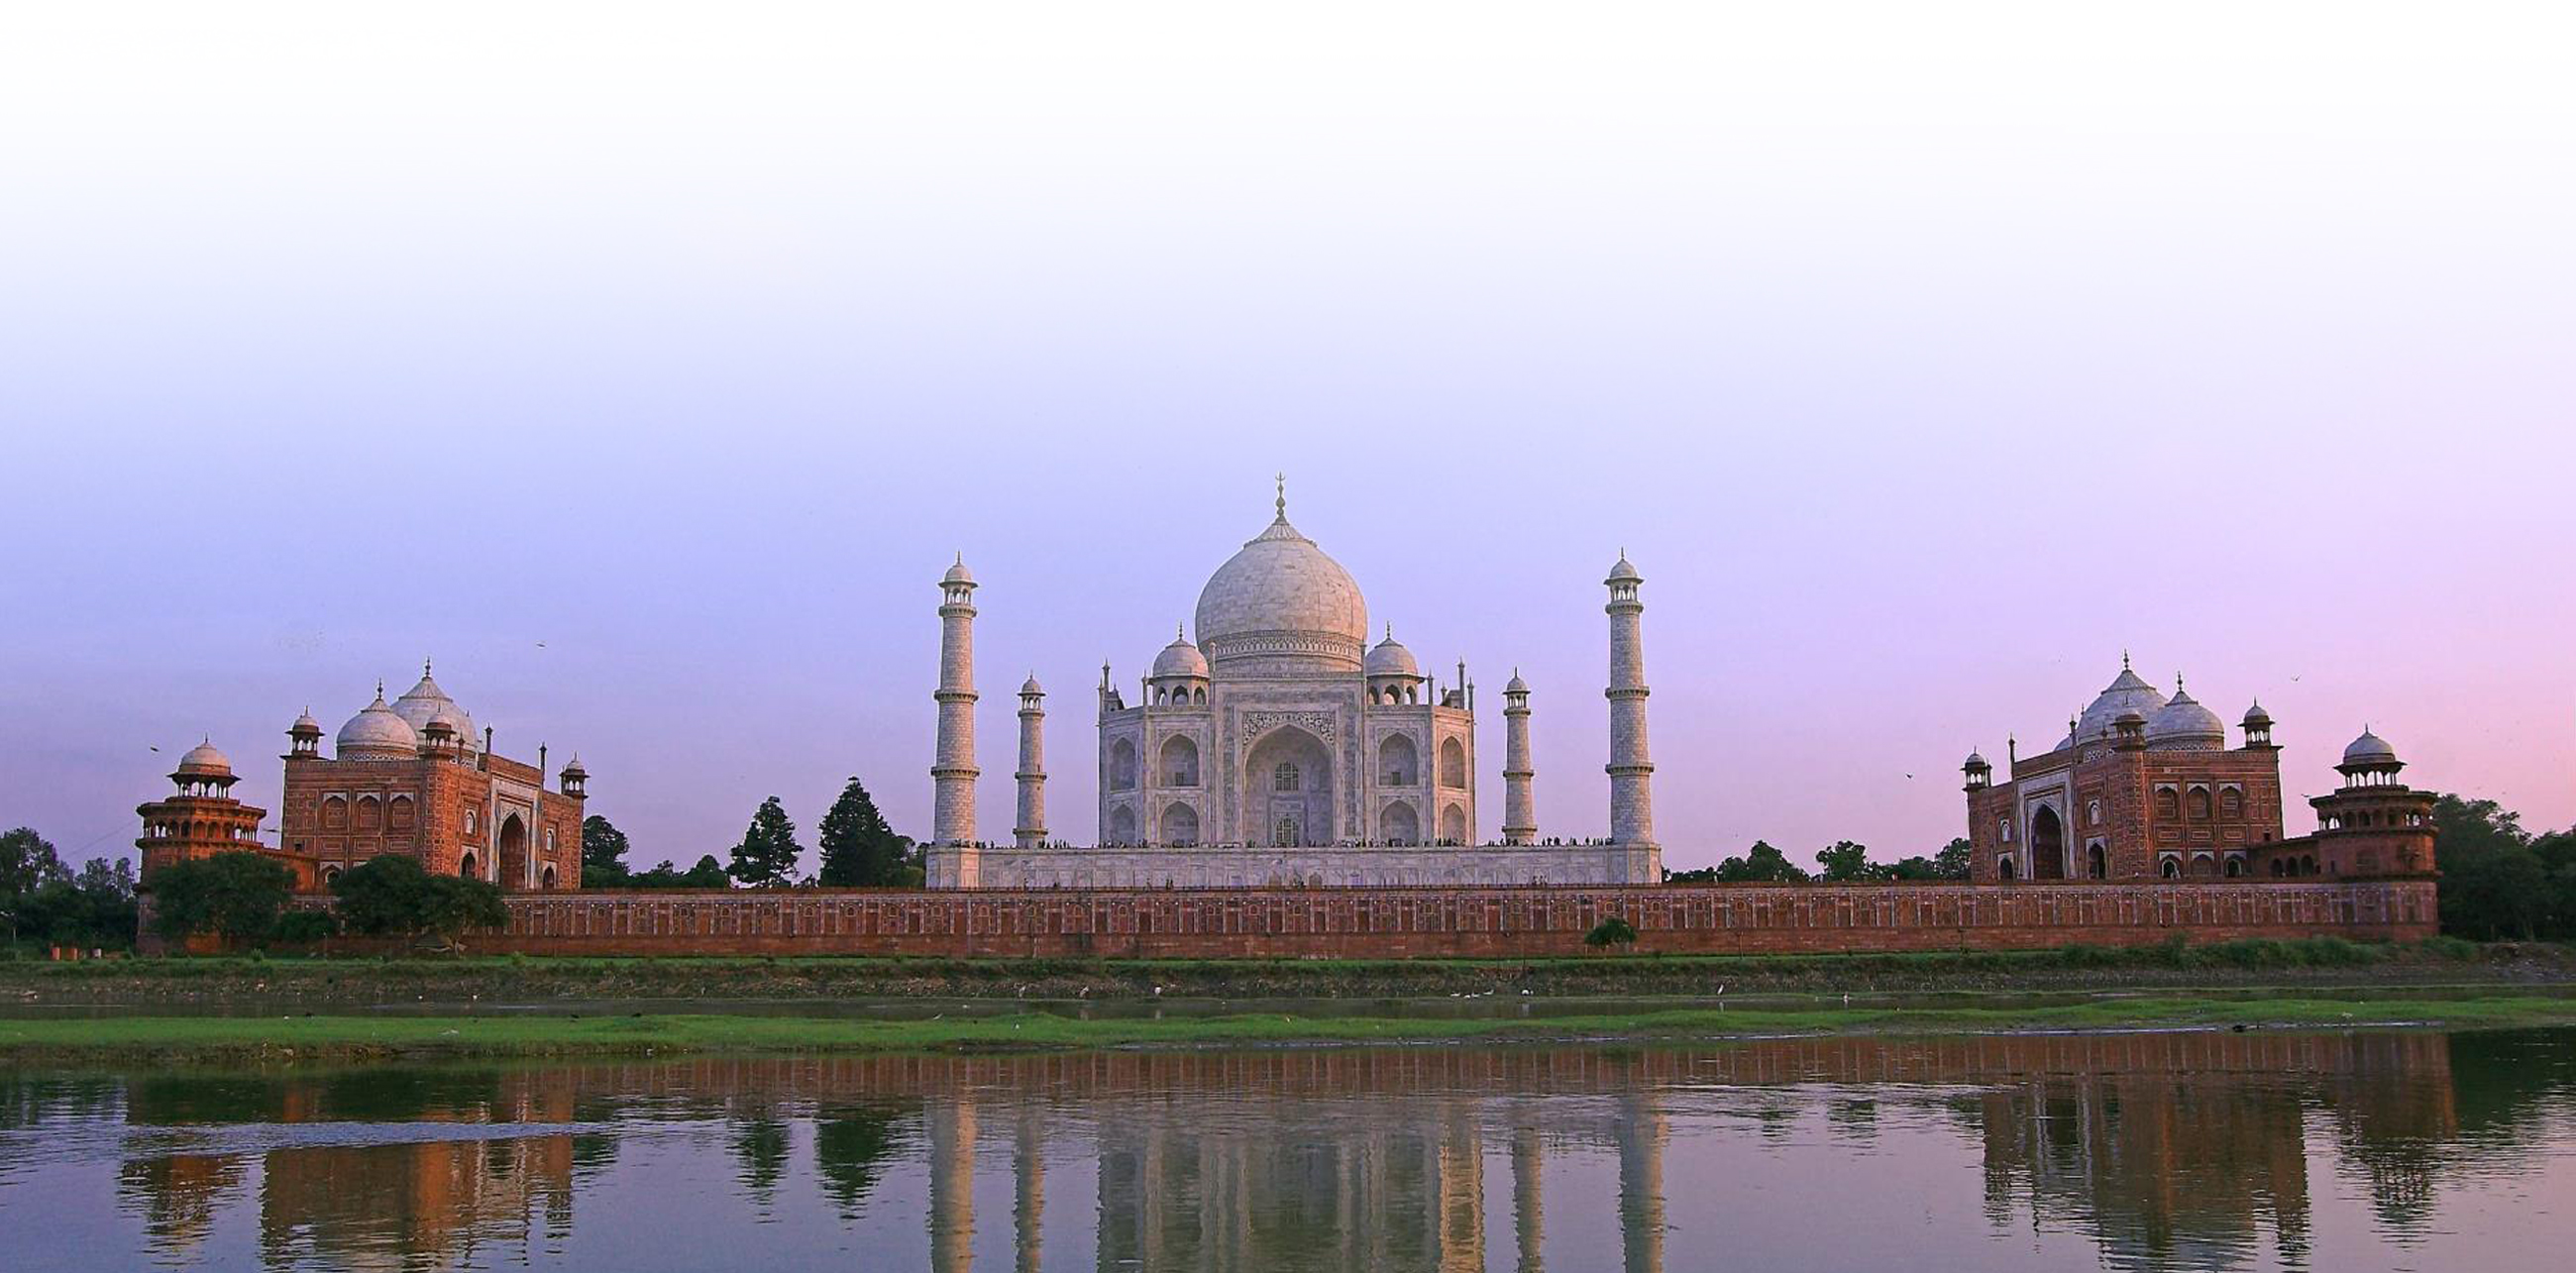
column 1497, row 922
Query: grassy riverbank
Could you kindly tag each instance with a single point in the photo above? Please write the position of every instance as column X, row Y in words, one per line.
column 334, row 982
column 217, row 1040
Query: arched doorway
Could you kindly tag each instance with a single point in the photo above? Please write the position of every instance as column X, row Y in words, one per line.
column 1453, row 825
column 513, row 845
column 1122, row 825
column 1180, row 826
column 1398, row 824
column 465, row 866
column 548, row 880
column 1288, row 791
column 2096, row 863
column 2047, row 845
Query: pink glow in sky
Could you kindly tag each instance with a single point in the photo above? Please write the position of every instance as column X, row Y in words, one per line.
column 647, row 368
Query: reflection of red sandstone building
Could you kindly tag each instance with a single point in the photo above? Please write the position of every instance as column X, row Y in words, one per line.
column 409, row 778
column 2144, row 787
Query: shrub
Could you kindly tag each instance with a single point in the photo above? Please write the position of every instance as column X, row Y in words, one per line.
column 1613, row 931
column 306, row 927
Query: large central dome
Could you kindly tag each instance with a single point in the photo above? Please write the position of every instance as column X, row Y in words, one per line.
column 1281, row 607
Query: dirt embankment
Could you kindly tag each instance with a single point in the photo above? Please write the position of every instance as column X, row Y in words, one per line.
column 2327, row 962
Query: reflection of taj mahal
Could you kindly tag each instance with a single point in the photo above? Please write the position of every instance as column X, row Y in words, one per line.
column 1282, row 748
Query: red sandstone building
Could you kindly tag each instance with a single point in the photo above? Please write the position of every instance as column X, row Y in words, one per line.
column 409, row 778
column 2145, row 788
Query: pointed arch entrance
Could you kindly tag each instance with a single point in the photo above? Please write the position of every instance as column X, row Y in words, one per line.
column 513, row 845
column 2047, row 844
column 1287, row 784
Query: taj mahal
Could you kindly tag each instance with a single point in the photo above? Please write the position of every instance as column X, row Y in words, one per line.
column 1282, row 748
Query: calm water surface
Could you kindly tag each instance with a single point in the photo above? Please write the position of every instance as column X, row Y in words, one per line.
column 2326, row 1151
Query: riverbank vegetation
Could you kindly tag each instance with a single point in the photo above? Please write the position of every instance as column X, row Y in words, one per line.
column 522, row 979
column 213, row 1040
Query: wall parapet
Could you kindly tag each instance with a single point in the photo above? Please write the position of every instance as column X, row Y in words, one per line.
column 1496, row 922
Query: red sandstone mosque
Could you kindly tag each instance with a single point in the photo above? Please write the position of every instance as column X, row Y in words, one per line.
column 410, row 777
column 2145, row 787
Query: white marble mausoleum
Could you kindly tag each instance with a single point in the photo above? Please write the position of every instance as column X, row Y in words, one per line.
column 1281, row 748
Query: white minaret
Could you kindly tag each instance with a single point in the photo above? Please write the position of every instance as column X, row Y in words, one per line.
column 952, row 774
column 1031, row 831
column 1520, row 807
column 1632, row 797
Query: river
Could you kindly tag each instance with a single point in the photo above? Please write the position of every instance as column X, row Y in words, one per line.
column 2193, row 1150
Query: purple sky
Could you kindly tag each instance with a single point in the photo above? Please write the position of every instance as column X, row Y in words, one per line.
column 1921, row 364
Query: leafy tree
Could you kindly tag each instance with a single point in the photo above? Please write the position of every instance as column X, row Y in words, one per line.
column 2495, row 882
column 392, row 896
column 1613, row 931
column 603, row 854
column 766, row 858
column 708, row 873
column 28, row 862
column 237, row 896
column 93, row 909
column 1760, row 864
column 301, row 927
column 1848, row 861
column 859, row 848
column 1951, row 863
column 384, row 896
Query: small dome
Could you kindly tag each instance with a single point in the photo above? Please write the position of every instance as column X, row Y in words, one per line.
column 2184, row 725
column 1623, row 572
column 305, row 726
column 2129, row 718
column 1390, row 658
column 2255, row 716
column 1030, row 686
column 377, row 732
column 449, row 720
column 572, row 768
column 2369, row 749
column 1180, row 658
column 203, row 760
column 1975, row 761
column 958, row 573
column 1516, row 685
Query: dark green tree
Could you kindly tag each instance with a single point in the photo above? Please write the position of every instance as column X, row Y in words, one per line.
column 393, row 896
column 708, row 873
column 603, row 854
column 2493, row 884
column 859, row 849
column 384, row 897
column 1613, row 931
column 236, row 896
column 1760, row 864
column 1951, row 863
column 28, row 862
column 1848, row 861
column 766, row 858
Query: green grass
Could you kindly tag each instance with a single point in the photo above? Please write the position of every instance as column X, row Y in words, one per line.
column 344, row 1038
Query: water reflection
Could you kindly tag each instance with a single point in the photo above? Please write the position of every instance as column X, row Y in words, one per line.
column 2182, row 1151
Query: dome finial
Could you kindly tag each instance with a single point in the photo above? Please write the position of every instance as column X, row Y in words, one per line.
column 424, row 667
column 1180, row 632
column 2124, row 658
column 1281, row 503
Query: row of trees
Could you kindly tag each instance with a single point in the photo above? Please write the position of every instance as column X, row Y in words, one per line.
column 243, row 898
column 44, row 903
column 1843, row 860
column 2500, row 882
column 859, row 850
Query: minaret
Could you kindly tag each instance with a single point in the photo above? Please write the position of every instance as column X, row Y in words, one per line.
column 952, row 774
column 1632, row 799
column 1520, row 807
column 1031, row 829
